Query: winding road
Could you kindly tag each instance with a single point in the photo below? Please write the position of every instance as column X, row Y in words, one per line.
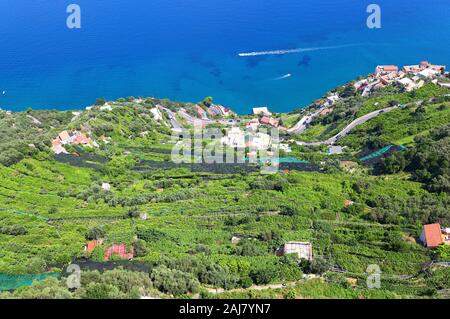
column 361, row 120
column 304, row 121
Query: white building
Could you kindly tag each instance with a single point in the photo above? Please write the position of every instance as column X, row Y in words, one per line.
column 302, row 249
column 427, row 73
column 261, row 111
column 235, row 138
column 260, row 141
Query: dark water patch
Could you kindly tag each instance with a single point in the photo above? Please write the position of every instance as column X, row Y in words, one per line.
column 254, row 61
column 216, row 73
column 305, row 60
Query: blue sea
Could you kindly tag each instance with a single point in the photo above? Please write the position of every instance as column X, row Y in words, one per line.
column 186, row 50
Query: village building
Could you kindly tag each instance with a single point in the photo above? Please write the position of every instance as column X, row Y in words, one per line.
column 235, row 138
column 259, row 141
column 385, row 69
column 90, row 246
column 252, row 124
column 119, row 250
column 360, row 85
column 335, row 150
column 333, row 98
column 269, row 121
column 427, row 73
column 261, row 111
column 218, row 110
column 106, row 186
column 433, row 235
column 201, row 112
column 303, row 250
column 65, row 137
column 57, row 147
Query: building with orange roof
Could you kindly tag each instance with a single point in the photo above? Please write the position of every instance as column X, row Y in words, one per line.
column 90, row 246
column 384, row 69
column 118, row 250
column 432, row 235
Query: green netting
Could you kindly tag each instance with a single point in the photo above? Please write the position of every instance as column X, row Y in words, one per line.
column 380, row 152
column 11, row 282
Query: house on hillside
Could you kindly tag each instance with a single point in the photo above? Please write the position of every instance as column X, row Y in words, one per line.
column 270, row 121
column 433, row 235
column 335, row 150
column 302, row 249
column 261, row 111
column 118, row 250
column 427, row 73
column 90, row 246
column 201, row 112
column 218, row 110
column 385, row 69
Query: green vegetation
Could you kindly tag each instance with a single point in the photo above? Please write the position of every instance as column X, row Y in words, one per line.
column 196, row 232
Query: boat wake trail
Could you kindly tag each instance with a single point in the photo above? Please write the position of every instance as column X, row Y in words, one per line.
column 298, row 50
column 283, row 77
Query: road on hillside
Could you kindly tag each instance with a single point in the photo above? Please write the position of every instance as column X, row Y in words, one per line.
column 173, row 120
column 301, row 125
column 361, row 120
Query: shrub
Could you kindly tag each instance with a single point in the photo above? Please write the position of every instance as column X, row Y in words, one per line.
column 174, row 282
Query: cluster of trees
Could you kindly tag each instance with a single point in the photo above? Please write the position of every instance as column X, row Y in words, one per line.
column 416, row 209
column 111, row 284
column 428, row 161
column 269, row 182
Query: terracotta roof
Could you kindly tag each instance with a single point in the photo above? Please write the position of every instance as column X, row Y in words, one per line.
column 91, row 245
column 120, row 250
column 265, row 120
column 388, row 67
column 433, row 235
column 64, row 135
column 81, row 139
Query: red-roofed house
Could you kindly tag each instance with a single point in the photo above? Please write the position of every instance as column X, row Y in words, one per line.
column 432, row 235
column 264, row 120
column 119, row 250
column 201, row 112
column 270, row 121
column 81, row 139
column 64, row 136
column 92, row 245
column 384, row 69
